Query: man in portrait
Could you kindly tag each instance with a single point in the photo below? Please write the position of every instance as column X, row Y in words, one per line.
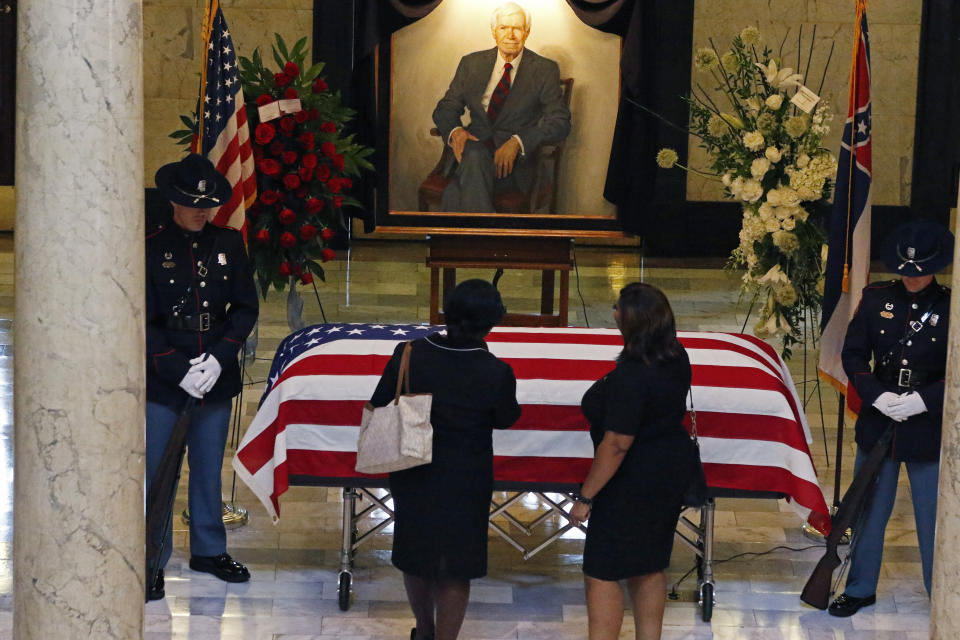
column 515, row 104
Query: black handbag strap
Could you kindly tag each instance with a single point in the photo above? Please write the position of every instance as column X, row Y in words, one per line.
column 403, row 378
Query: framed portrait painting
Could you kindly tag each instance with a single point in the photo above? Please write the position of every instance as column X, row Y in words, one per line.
column 498, row 116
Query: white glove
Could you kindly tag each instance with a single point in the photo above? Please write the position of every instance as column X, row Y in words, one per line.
column 189, row 384
column 882, row 403
column 208, row 369
column 907, row 405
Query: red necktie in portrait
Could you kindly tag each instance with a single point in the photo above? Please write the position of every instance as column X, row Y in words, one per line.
column 499, row 94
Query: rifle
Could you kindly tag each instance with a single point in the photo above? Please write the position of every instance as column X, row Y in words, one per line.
column 816, row 592
column 163, row 491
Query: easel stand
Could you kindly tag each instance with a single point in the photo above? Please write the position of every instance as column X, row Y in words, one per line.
column 549, row 255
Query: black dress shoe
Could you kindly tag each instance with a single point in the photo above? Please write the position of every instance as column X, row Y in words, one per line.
column 155, row 591
column 222, row 566
column 846, row 605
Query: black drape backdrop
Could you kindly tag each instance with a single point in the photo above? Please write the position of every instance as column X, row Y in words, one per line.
column 937, row 134
column 654, row 71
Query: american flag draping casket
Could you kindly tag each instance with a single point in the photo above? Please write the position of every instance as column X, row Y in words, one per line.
column 753, row 433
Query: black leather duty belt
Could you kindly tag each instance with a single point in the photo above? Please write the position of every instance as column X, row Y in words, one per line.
column 908, row 378
column 196, row 322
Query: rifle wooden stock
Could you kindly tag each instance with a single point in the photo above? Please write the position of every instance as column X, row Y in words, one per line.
column 163, row 491
column 816, row 592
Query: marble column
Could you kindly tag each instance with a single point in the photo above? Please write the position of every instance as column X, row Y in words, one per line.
column 945, row 599
column 79, row 343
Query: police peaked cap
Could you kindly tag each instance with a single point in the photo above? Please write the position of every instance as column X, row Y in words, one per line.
column 918, row 248
column 193, row 182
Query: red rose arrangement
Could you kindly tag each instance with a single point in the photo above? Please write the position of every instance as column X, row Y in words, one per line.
column 305, row 166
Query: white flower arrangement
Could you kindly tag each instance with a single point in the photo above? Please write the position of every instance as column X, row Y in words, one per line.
column 768, row 156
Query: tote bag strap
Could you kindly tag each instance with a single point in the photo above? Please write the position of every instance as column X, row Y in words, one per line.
column 403, row 378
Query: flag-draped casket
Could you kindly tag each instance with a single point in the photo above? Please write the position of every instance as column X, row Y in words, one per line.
column 752, row 430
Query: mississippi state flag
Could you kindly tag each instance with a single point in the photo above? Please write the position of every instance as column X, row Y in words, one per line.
column 752, row 431
column 849, row 252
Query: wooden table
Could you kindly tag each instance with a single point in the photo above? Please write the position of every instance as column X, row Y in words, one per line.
column 449, row 253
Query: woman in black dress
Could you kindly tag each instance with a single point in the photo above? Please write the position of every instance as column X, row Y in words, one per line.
column 633, row 493
column 441, row 509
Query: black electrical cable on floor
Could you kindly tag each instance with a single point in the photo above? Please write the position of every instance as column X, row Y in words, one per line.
column 673, row 595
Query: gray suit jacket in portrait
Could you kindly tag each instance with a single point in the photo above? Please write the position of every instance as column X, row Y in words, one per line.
column 534, row 109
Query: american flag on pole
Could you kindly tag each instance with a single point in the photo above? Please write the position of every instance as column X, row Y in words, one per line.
column 752, row 431
column 225, row 137
column 848, row 259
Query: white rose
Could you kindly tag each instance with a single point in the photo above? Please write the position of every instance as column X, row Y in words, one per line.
column 759, row 167
column 765, row 211
column 787, row 211
column 789, row 196
column 772, row 225
column 773, row 154
column 803, row 160
column 773, row 197
column 754, row 103
column 774, row 101
column 751, row 191
column 736, row 186
column 725, row 179
column 753, row 140
column 788, row 224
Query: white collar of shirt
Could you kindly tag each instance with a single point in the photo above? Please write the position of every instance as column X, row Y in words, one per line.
column 497, row 74
column 514, row 64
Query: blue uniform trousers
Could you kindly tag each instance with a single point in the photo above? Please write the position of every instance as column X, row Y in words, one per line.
column 206, row 440
column 867, row 552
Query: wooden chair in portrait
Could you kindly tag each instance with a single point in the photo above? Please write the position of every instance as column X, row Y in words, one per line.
column 540, row 198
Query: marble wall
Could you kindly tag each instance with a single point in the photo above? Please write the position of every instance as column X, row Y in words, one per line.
column 171, row 58
column 894, row 48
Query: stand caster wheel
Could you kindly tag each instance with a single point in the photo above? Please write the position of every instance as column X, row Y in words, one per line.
column 706, row 601
column 343, row 591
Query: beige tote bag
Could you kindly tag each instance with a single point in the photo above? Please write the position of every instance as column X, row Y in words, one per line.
column 399, row 435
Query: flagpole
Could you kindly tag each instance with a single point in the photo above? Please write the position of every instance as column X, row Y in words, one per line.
column 205, row 38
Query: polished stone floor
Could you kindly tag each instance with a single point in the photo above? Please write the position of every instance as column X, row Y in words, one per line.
column 293, row 592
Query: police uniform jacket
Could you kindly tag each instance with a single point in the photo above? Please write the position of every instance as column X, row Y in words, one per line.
column 188, row 275
column 883, row 318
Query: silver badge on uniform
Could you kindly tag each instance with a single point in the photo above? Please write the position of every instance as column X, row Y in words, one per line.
column 222, row 259
column 911, row 252
column 934, row 319
column 889, row 306
column 167, row 256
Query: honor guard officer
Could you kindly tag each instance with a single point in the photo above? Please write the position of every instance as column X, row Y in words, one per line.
column 201, row 304
column 901, row 325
